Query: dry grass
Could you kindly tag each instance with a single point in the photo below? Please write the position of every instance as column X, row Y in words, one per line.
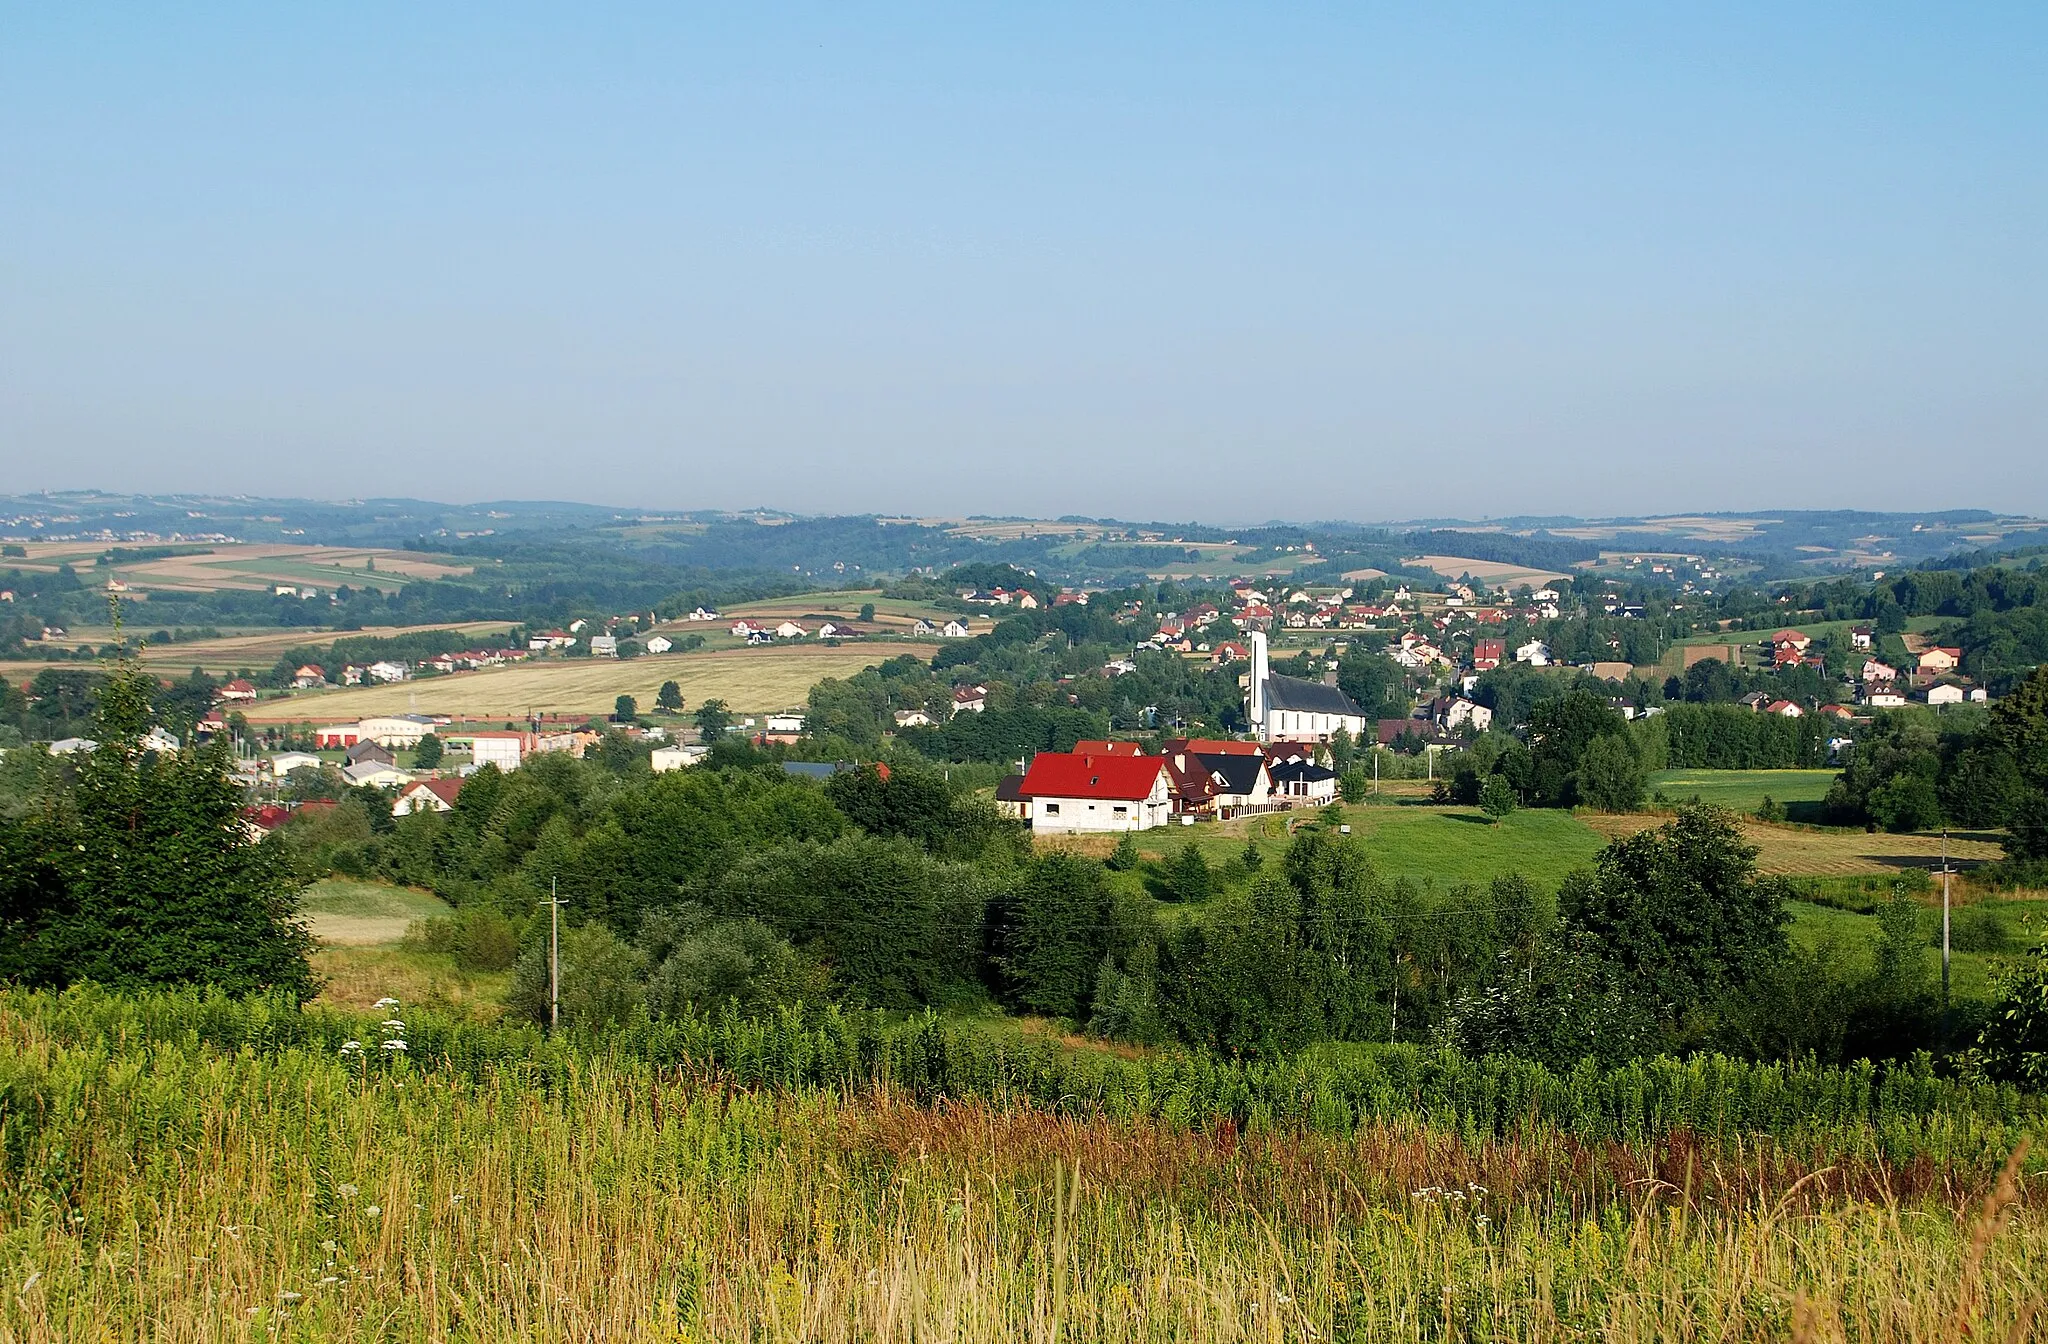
column 1806, row 851
column 1486, row 571
column 750, row 680
column 189, row 1196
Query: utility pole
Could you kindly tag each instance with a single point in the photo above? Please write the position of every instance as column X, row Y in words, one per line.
column 1944, row 933
column 554, row 905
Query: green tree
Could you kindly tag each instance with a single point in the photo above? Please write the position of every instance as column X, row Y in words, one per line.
column 1189, row 877
column 2019, row 731
column 2013, row 1046
column 603, row 978
column 1124, row 858
column 1353, row 786
column 428, row 753
column 139, row 872
column 1342, row 751
column 1680, row 910
column 1496, row 797
column 1610, row 776
column 625, row 709
column 669, row 698
column 867, row 613
column 1053, row 930
column 713, row 718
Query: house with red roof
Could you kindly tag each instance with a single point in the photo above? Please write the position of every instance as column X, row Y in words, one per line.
column 1104, row 747
column 426, row 795
column 1488, row 653
column 238, row 691
column 1084, row 792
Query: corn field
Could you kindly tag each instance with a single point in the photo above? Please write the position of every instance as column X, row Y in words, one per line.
column 184, row 1168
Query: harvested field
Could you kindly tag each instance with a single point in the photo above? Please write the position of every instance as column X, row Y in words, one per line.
column 1486, row 571
column 749, row 680
column 1810, row 851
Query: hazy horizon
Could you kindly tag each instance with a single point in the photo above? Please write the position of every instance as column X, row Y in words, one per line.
column 1155, row 263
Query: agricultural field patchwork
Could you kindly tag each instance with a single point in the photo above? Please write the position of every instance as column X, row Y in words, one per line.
column 757, row 680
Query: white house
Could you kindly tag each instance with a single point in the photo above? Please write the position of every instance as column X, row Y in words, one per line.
column 659, row 644
column 790, row 630
column 1075, row 793
column 388, row 671
column 1944, row 693
column 953, row 630
column 970, row 699
column 703, row 614
column 1535, row 653
column 913, row 718
column 665, row 759
column 426, row 795
column 285, row 762
column 924, row 628
column 1462, row 711
column 785, row 723
column 604, row 646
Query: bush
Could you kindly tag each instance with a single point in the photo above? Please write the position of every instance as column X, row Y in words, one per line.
column 1496, row 797
column 478, row 939
column 1978, row 928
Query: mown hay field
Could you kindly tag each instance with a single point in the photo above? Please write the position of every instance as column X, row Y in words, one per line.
column 156, row 1185
column 757, row 680
column 254, row 649
column 1486, row 571
column 1743, row 790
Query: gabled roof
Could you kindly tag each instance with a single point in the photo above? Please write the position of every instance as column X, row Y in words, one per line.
column 1301, row 772
column 1010, row 789
column 1211, row 746
column 1307, row 697
column 1088, row 775
column 1100, row 747
column 444, row 789
column 1235, row 774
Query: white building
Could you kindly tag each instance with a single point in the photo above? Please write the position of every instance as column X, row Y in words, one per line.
column 1074, row 793
column 665, row 759
column 785, row 723
column 285, row 762
column 659, row 644
column 502, row 749
column 1535, row 653
column 1288, row 709
column 395, row 730
column 604, row 646
column 388, row 671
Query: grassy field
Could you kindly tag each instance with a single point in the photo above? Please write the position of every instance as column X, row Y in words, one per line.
column 757, row 680
column 171, row 1189
column 1811, row 851
column 248, row 566
column 345, row 912
column 1743, row 790
column 253, row 649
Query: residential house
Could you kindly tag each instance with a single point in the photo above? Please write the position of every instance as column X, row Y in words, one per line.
column 924, row 629
column 1795, row 639
column 1229, row 652
column 1242, row 784
column 785, row 723
column 1010, row 799
column 1535, row 653
column 1944, row 693
column 426, row 795
column 1755, row 701
column 1453, row 713
column 1104, row 747
column 285, row 762
column 1487, row 654
column 660, row 644
column 835, row 630
column 376, row 774
column 236, row 692
column 953, row 630
column 702, row 614
column 258, row 822
column 913, row 718
column 310, row 677
column 551, row 639
column 1784, row 709
column 1863, row 637
column 369, row 749
column 1938, row 659
column 1080, row 793
column 790, row 630
column 1304, row 781
column 1881, row 695
column 1873, row 670
column 970, row 699
column 604, row 646
column 665, row 759
column 388, row 671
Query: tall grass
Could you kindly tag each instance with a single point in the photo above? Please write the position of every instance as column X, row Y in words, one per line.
column 163, row 1182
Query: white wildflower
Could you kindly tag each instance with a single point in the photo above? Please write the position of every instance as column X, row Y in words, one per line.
column 373, row 1211
column 351, row 1047
column 347, row 1191
column 392, row 1024
column 394, row 1045
column 291, row 1297
column 381, row 1004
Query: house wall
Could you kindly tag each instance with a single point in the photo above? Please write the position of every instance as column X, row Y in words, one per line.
column 1099, row 815
column 503, row 752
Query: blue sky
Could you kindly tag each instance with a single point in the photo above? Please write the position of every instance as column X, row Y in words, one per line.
column 1176, row 261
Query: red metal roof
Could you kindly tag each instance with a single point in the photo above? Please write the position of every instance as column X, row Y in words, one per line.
column 1088, row 775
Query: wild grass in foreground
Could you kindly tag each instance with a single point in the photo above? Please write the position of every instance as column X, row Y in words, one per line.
column 172, row 1189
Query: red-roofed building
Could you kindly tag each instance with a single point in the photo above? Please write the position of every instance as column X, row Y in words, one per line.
column 237, row 691
column 1092, row 792
column 1212, row 746
column 1487, row 654
column 1784, row 709
column 426, row 795
column 261, row 821
column 1100, row 747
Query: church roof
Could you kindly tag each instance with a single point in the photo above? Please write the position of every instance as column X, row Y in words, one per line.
column 1307, row 697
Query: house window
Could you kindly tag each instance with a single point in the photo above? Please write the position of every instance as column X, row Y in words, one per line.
column 1051, row 809
column 1121, row 810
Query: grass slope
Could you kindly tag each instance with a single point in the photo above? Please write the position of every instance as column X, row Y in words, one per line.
column 1742, row 790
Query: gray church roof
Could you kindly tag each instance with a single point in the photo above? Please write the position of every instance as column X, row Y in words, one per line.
column 1307, row 697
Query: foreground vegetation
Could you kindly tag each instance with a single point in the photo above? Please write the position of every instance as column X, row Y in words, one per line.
column 201, row 1169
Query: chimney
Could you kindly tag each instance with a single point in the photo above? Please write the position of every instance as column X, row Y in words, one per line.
column 1330, row 677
